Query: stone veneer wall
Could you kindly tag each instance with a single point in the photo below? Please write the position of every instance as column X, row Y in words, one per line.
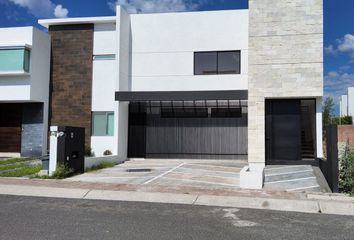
column 71, row 76
column 285, row 60
column 32, row 130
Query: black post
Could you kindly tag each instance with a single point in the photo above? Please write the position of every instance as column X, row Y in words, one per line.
column 330, row 167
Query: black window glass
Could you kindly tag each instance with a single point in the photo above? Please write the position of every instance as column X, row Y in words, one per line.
column 229, row 62
column 222, row 62
column 226, row 112
column 205, row 63
column 184, row 112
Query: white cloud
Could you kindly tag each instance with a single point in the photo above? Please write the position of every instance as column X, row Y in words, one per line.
column 153, row 6
column 333, row 74
column 345, row 68
column 344, row 45
column 347, row 44
column 42, row 8
column 336, row 84
column 60, row 12
column 331, row 50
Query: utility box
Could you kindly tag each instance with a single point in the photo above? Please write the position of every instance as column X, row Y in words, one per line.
column 67, row 147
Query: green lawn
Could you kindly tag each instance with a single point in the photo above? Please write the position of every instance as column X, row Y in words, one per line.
column 18, row 167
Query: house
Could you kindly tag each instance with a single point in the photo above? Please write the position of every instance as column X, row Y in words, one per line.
column 236, row 84
column 24, row 97
column 346, row 104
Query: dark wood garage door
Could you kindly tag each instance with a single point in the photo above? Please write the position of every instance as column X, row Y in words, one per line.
column 204, row 137
column 10, row 127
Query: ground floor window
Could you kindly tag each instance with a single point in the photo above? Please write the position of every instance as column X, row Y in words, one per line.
column 102, row 123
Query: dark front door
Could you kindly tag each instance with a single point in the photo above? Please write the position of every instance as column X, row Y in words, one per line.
column 10, row 127
column 283, row 130
column 137, row 130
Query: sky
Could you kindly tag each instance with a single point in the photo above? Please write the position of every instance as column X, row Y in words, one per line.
column 338, row 25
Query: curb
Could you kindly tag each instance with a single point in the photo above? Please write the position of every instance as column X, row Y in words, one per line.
column 312, row 205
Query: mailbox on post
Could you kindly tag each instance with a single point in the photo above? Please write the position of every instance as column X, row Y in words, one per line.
column 67, row 147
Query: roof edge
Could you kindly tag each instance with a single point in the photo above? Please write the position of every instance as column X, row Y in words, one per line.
column 79, row 20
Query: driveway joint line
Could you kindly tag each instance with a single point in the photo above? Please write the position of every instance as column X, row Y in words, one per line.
column 195, row 200
column 163, row 174
column 207, row 170
column 278, row 174
column 285, row 167
column 290, row 180
column 209, row 165
column 199, row 181
column 301, row 188
column 83, row 197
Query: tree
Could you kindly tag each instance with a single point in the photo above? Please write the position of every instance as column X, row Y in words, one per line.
column 328, row 109
column 347, row 120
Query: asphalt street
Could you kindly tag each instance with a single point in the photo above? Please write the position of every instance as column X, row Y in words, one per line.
column 51, row 218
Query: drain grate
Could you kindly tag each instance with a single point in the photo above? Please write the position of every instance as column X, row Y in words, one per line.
column 139, row 170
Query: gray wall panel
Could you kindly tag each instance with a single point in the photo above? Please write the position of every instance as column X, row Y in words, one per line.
column 179, row 136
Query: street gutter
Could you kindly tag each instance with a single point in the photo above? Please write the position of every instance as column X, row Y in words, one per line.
column 313, row 203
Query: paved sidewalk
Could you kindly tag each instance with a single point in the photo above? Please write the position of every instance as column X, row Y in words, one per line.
column 282, row 201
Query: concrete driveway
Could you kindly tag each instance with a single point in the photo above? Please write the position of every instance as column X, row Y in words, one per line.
column 210, row 174
column 194, row 173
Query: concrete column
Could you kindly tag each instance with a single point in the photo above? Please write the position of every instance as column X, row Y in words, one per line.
column 123, row 80
column 319, row 137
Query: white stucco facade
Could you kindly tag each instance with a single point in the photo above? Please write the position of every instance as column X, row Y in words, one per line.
column 351, row 101
column 103, row 82
column 343, row 105
column 163, row 46
column 23, row 86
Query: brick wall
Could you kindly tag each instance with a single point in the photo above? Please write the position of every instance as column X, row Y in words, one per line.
column 71, row 76
column 346, row 133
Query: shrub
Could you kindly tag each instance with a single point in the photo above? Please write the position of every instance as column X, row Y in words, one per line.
column 62, row 171
column 345, row 171
column 107, row 153
column 88, row 151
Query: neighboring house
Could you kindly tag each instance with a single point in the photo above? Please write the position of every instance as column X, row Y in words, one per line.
column 24, row 84
column 346, row 104
column 236, row 84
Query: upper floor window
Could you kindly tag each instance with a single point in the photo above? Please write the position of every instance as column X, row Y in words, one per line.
column 14, row 59
column 217, row 62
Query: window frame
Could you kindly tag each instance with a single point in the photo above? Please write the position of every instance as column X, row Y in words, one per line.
column 217, row 62
column 106, row 113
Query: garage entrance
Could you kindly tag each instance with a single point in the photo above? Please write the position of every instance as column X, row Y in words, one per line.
column 203, row 129
column 10, row 127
